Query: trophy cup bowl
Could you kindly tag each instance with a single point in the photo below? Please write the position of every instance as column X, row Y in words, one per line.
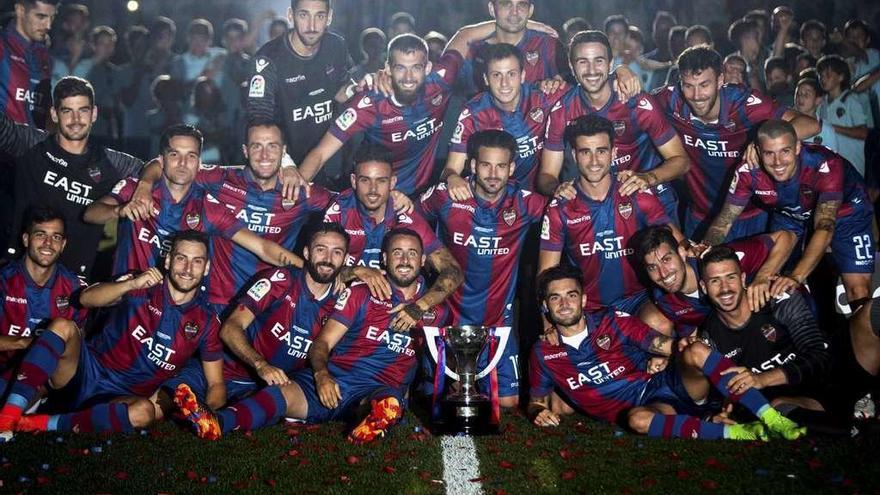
column 465, row 409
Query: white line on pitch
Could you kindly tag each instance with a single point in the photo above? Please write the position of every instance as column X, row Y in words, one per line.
column 460, row 466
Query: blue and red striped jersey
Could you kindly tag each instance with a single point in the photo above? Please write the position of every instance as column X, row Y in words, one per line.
column 527, row 125
column 689, row 311
column 369, row 348
column 265, row 213
column 25, row 78
column 143, row 243
column 287, row 319
column 410, row 132
column 149, row 339
column 716, row 148
column 602, row 377
column 543, row 55
column 27, row 306
column 365, row 245
column 594, row 236
column 486, row 240
column 822, row 175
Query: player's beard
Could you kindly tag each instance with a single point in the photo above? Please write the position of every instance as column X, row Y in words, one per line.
column 563, row 321
column 735, row 302
column 490, row 189
column 401, row 281
column 79, row 134
column 406, row 96
column 317, row 276
column 43, row 260
column 184, row 286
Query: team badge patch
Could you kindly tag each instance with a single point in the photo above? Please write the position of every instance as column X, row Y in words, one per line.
column 625, row 210
column 532, row 58
column 509, row 216
column 62, row 303
column 192, row 220
column 95, row 174
column 287, row 204
column 537, row 115
column 604, row 342
column 346, row 119
column 730, row 126
column 257, row 88
column 769, row 332
column 437, row 100
column 190, row 330
column 619, row 127
column 429, row 317
column 259, row 290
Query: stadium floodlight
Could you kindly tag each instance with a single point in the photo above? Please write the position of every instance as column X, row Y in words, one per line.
column 133, row 5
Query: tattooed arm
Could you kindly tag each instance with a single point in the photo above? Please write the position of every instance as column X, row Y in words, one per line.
column 449, row 277
column 823, row 231
column 717, row 232
column 660, row 345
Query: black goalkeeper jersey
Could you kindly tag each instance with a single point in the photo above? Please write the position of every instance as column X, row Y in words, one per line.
column 298, row 92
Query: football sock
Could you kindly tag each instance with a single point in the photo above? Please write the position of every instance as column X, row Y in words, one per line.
column 102, row 418
column 264, row 408
column 681, row 426
column 38, row 365
column 752, row 399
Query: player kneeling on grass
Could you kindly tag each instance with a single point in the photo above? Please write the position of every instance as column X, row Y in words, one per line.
column 358, row 358
column 596, row 366
column 158, row 324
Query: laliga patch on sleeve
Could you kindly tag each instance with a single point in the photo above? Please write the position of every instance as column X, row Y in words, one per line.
column 347, row 119
column 734, row 181
column 342, row 299
column 118, row 187
column 545, row 228
column 257, row 87
column 259, row 290
column 459, row 132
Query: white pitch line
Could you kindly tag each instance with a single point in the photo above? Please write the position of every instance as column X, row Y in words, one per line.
column 460, row 466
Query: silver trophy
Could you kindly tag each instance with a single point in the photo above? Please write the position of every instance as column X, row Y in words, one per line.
column 465, row 409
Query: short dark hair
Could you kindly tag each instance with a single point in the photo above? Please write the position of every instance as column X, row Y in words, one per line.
column 294, row 3
column 41, row 214
column 501, row 51
column 29, row 4
column 698, row 58
column 407, row 43
column 635, row 33
column 178, row 130
column 589, row 125
column 136, row 32
column 591, row 36
column 701, row 29
column 857, row 24
column 491, row 138
column 649, row 239
column 578, row 22
column 718, row 254
column 372, row 152
column 400, row 232
column 813, row 25
column 161, row 24
column 811, row 60
column 329, row 228
column 235, row 24
column 775, row 128
column 739, row 29
column 188, row 235
column 838, row 65
column 399, row 17
column 773, row 63
column 757, row 15
column 70, row 86
column 261, row 121
column 103, row 31
column 200, row 26
column 812, row 82
column 558, row 272
column 615, row 19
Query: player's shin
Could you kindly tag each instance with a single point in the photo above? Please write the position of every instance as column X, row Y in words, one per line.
column 264, row 408
column 36, row 368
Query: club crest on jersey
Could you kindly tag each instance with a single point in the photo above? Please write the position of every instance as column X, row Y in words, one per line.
column 190, row 330
column 62, row 303
column 769, row 332
column 287, row 204
column 192, row 220
column 619, row 127
column 604, row 342
column 259, row 290
column 95, row 174
column 437, row 100
column 257, row 88
column 730, row 126
column 537, row 115
column 509, row 216
column 532, row 57
column 429, row 317
column 625, row 210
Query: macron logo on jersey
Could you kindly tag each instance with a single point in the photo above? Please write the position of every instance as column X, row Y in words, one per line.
column 644, row 104
column 753, row 100
column 824, row 168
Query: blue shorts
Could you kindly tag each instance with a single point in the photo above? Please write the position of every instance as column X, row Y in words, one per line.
column 194, row 376
column 743, row 227
column 667, row 387
column 852, row 246
column 92, row 384
column 354, row 393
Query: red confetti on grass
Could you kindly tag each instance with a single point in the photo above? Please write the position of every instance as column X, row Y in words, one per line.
column 192, row 475
column 505, row 465
column 564, row 454
column 715, row 464
column 499, row 491
column 709, row 485
column 683, row 474
column 352, row 459
column 292, row 453
column 389, row 470
column 569, row 475
column 271, row 482
column 814, row 464
column 42, row 480
column 478, row 480
column 121, row 475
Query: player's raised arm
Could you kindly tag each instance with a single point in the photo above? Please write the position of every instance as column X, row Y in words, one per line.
column 266, row 250
column 759, row 291
column 315, row 160
column 108, row 293
column 804, row 125
column 102, row 211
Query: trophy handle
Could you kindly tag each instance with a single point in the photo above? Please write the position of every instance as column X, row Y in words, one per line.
column 503, row 334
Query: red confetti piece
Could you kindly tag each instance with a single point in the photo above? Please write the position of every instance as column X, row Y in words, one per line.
column 192, row 475
column 292, row 453
column 569, row 475
column 715, row 464
column 649, row 482
column 424, row 475
column 709, row 485
column 478, row 480
column 683, row 474
column 344, row 478
column 42, row 480
column 505, row 465
column 389, row 470
column 499, row 491
column 564, row 454
column 121, row 475
column 270, row 482
column 814, row 464
column 352, row 459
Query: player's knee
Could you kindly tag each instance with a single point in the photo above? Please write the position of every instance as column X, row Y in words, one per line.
column 141, row 413
column 639, row 420
column 509, row 402
column 66, row 329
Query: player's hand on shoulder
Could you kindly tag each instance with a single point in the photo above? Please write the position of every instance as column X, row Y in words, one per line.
column 565, row 190
column 783, row 284
column 631, row 182
column 759, row 293
column 626, row 83
column 406, row 316
column 459, row 189
column 402, row 203
column 292, row 182
column 375, row 280
column 546, row 418
column 551, row 86
column 550, row 336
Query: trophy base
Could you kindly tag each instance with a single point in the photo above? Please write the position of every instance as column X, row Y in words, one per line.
column 471, row 418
